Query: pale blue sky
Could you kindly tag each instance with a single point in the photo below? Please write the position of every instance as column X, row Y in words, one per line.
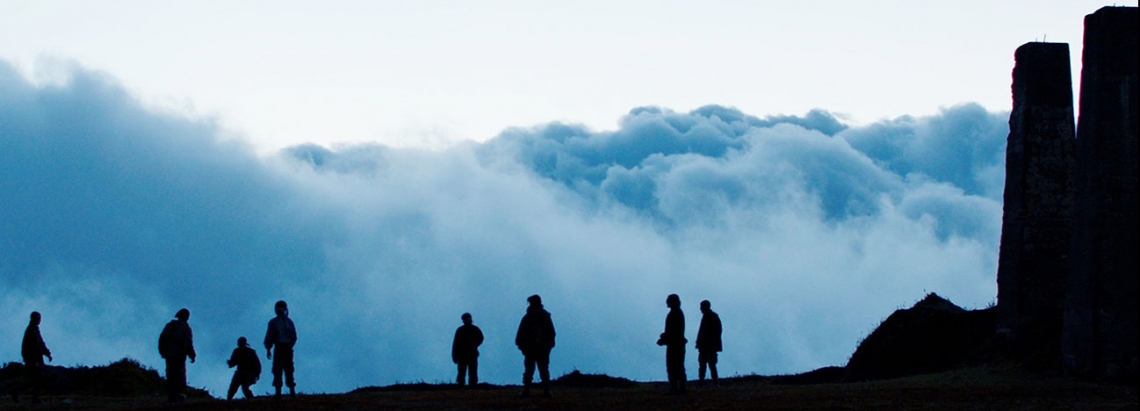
column 431, row 73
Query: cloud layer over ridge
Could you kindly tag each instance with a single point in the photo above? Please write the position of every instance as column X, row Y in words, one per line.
column 804, row 233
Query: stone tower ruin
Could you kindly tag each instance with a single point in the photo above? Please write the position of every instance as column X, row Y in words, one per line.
column 1037, row 215
column 1068, row 263
column 1101, row 292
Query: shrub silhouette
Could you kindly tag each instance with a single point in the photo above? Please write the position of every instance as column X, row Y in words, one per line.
column 123, row 378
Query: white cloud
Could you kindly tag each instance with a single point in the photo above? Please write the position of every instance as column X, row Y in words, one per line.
column 802, row 234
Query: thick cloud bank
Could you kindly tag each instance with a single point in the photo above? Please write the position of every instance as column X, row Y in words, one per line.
column 803, row 233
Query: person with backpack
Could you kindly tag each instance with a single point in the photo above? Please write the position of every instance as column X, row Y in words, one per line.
column 535, row 338
column 248, row 369
column 176, row 344
column 279, row 341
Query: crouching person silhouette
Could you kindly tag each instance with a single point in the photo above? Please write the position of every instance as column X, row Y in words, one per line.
column 535, row 339
column 248, row 369
column 279, row 341
column 33, row 350
column 465, row 350
column 674, row 341
column 175, row 344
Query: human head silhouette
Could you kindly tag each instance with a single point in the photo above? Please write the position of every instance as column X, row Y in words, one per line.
column 281, row 308
column 534, row 300
column 35, row 318
column 183, row 315
column 466, row 317
column 242, row 342
column 705, row 306
column 673, row 301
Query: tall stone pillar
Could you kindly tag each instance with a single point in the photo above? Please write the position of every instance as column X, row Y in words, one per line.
column 1036, row 222
column 1100, row 327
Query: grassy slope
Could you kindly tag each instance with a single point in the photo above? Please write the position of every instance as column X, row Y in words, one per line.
column 981, row 388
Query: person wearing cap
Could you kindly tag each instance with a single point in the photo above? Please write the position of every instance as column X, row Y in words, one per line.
column 33, row 349
column 535, row 339
column 248, row 369
column 465, row 350
column 674, row 341
column 175, row 344
column 708, row 342
column 279, row 341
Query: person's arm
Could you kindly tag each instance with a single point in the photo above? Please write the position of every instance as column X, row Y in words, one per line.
column 455, row 346
column 190, row 343
column 43, row 346
column 270, row 338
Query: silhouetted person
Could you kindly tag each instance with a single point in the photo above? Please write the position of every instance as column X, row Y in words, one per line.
column 465, row 350
column 535, row 339
column 248, row 369
column 279, row 341
column 674, row 341
column 708, row 342
column 33, row 350
column 175, row 344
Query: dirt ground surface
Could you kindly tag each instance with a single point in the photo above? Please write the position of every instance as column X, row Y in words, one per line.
column 971, row 389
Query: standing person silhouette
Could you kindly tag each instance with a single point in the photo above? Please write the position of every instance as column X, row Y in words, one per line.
column 175, row 344
column 535, row 339
column 674, row 341
column 465, row 350
column 248, row 369
column 33, row 350
column 708, row 342
column 279, row 341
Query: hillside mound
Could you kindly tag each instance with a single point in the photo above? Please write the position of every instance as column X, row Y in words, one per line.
column 123, row 378
column 933, row 335
column 577, row 379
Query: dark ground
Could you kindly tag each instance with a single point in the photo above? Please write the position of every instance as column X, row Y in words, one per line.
column 979, row 388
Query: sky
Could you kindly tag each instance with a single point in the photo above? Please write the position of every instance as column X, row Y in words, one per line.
column 386, row 167
column 430, row 74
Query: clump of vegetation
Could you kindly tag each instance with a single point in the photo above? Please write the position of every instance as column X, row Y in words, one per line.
column 577, row 379
column 120, row 379
column 934, row 335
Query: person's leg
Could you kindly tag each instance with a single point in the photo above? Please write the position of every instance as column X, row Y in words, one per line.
column 544, row 372
column 473, row 369
column 712, row 368
column 462, row 368
column 248, row 393
column 528, row 374
column 287, row 368
column 175, row 378
column 675, row 367
column 36, row 375
column 234, row 383
column 702, row 362
column 277, row 370
column 682, row 378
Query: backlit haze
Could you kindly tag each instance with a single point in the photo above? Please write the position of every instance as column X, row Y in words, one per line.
column 385, row 167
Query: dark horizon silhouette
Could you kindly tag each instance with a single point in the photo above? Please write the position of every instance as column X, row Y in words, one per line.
column 247, row 369
column 176, row 344
column 708, row 342
column 673, row 339
column 465, row 351
column 280, row 337
column 535, row 338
